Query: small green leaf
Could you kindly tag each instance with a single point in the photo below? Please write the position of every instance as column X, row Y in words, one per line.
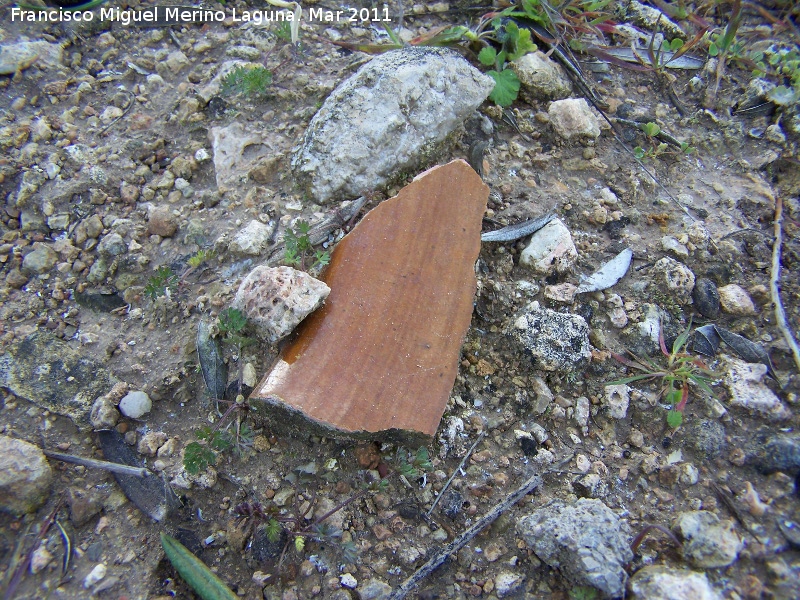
column 506, row 87
column 672, row 397
column 650, row 129
column 674, row 418
column 299, row 543
column 676, row 44
column 194, row 571
column 197, row 458
column 713, row 50
column 273, row 529
column 639, row 152
column 487, row 56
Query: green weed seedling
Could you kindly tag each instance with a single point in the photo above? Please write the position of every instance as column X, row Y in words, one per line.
column 514, row 43
column 247, row 81
column 681, row 370
column 658, row 148
column 163, row 283
column 299, row 251
column 200, row 257
column 228, row 433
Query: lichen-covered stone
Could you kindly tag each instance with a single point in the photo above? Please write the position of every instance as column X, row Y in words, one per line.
column 556, row 341
column 46, row 371
column 276, row 299
column 385, row 118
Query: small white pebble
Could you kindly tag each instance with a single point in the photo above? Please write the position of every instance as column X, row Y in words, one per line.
column 348, row 581
column 96, row 575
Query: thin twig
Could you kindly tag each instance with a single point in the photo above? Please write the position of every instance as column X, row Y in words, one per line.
column 774, row 283
column 125, row 112
column 98, row 464
column 464, row 538
column 458, row 468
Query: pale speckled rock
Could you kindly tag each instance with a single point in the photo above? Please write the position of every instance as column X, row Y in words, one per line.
column 236, row 152
column 674, row 278
column 25, row 476
column 734, row 300
column 572, row 118
column 708, row 542
column 670, row 244
column 507, row 583
column 617, row 399
column 541, row 78
column 252, row 239
column 562, row 292
column 104, row 414
column 276, row 299
column 151, row 442
column 556, row 341
column 658, row 582
column 550, row 249
column 586, row 541
column 745, row 383
column 112, row 245
column 387, row 118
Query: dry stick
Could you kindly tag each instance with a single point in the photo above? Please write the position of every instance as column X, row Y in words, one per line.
column 458, row 468
column 774, row 282
column 464, row 538
column 99, row 464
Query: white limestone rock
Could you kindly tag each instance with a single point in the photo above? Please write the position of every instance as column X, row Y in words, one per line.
column 252, row 239
column 572, row 118
column 385, row 119
column 550, row 249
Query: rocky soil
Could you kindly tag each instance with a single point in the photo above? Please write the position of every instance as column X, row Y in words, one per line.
column 121, row 155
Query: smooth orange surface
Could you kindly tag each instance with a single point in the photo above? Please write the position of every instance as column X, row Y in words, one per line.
column 382, row 353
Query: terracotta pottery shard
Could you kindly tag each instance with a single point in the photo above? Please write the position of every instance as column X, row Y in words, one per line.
column 379, row 359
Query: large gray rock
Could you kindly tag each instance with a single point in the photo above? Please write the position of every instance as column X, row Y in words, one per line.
column 25, row 476
column 387, row 118
column 46, row 371
column 20, row 56
column 556, row 341
column 657, row 582
column 585, row 541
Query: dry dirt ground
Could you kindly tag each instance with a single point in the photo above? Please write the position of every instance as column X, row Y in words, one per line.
column 730, row 183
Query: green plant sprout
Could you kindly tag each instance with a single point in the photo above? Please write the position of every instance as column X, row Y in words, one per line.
column 247, row 81
column 200, row 257
column 514, row 43
column 163, row 283
column 658, row 148
column 299, row 248
column 783, row 64
column 681, row 370
column 227, row 433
